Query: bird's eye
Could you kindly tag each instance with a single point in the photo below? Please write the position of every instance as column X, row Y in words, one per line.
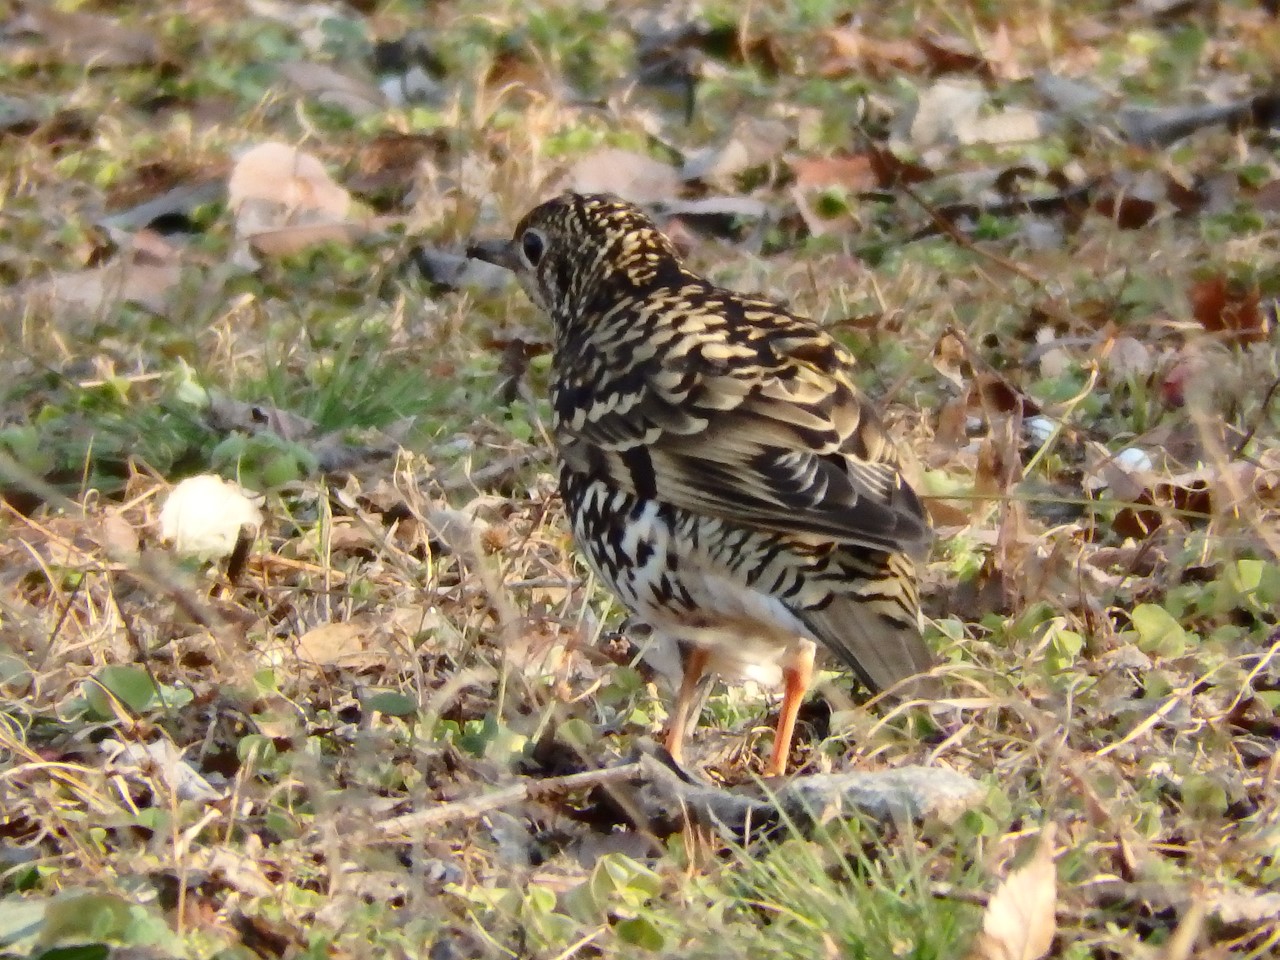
column 532, row 245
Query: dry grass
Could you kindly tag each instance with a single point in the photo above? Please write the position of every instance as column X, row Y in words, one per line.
column 412, row 628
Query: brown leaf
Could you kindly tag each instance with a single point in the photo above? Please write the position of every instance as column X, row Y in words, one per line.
column 853, row 172
column 633, row 176
column 951, row 359
column 891, row 171
column 852, row 51
column 1129, row 212
column 345, row 643
column 754, row 142
column 41, row 35
column 1001, row 53
column 286, row 187
column 287, row 241
column 951, row 432
column 952, row 55
column 117, row 536
column 1267, row 196
column 1136, row 523
column 1186, row 198
column 1221, row 306
column 144, row 273
column 998, row 394
column 514, row 67
column 948, row 513
column 999, row 464
column 391, row 160
column 1019, row 922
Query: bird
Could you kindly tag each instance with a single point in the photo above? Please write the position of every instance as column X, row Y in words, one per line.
column 721, row 472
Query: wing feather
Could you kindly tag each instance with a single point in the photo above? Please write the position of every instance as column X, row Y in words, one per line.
column 749, row 415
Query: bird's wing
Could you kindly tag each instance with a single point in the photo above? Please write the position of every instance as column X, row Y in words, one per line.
column 762, row 428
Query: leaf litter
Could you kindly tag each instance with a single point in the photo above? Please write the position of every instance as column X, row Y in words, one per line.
column 1055, row 263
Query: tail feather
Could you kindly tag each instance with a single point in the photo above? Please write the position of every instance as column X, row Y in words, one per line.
column 873, row 624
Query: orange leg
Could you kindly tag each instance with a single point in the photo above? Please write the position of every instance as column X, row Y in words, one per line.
column 796, row 676
column 695, row 665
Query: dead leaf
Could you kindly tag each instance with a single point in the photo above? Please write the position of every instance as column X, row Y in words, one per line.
column 851, row 171
column 391, row 162
column 1267, row 196
column 18, row 115
column 633, row 176
column 163, row 760
column 117, row 536
column 945, row 109
column 1129, row 356
column 145, row 207
column 754, row 142
column 1245, row 906
column 238, row 870
column 1011, row 125
column 1054, row 359
column 226, row 414
column 716, row 215
column 948, row 514
column 284, row 200
column 328, row 86
column 1187, row 377
column 145, row 272
column 850, row 50
column 1127, row 480
column 341, row 644
column 1228, row 308
column 285, row 175
column 952, row 55
column 516, row 67
column 1019, row 922
column 287, row 241
column 44, row 35
column 999, row 464
column 1001, row 52
column 999, row 395
column 1069, row 95
column 951, row 359
column 892, row 171
column 1129, row 213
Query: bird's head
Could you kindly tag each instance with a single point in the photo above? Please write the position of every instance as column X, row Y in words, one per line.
column 570, row 250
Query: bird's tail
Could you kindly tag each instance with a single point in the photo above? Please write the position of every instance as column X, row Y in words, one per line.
column 871, row 620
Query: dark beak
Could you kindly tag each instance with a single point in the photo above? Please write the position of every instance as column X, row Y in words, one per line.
column 501, row 253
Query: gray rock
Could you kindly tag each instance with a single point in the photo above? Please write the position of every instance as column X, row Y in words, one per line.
column 914, row 793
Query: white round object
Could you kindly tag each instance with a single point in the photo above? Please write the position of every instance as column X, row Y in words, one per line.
column 202, row 516
column 1133, row 460
column 1040, row 429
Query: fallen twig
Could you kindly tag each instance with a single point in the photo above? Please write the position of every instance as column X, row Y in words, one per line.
column 473, row 807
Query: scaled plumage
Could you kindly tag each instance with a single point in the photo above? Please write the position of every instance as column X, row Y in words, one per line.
column 722, row 473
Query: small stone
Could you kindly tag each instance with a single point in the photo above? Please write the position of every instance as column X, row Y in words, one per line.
column 915, row 793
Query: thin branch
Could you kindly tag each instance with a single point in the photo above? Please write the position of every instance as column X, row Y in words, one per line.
column 473, row 807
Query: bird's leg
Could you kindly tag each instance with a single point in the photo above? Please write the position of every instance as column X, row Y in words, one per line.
column 694, row 665
column 797, row 672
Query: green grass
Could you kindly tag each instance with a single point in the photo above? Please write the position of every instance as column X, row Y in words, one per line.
column 1120, row 684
